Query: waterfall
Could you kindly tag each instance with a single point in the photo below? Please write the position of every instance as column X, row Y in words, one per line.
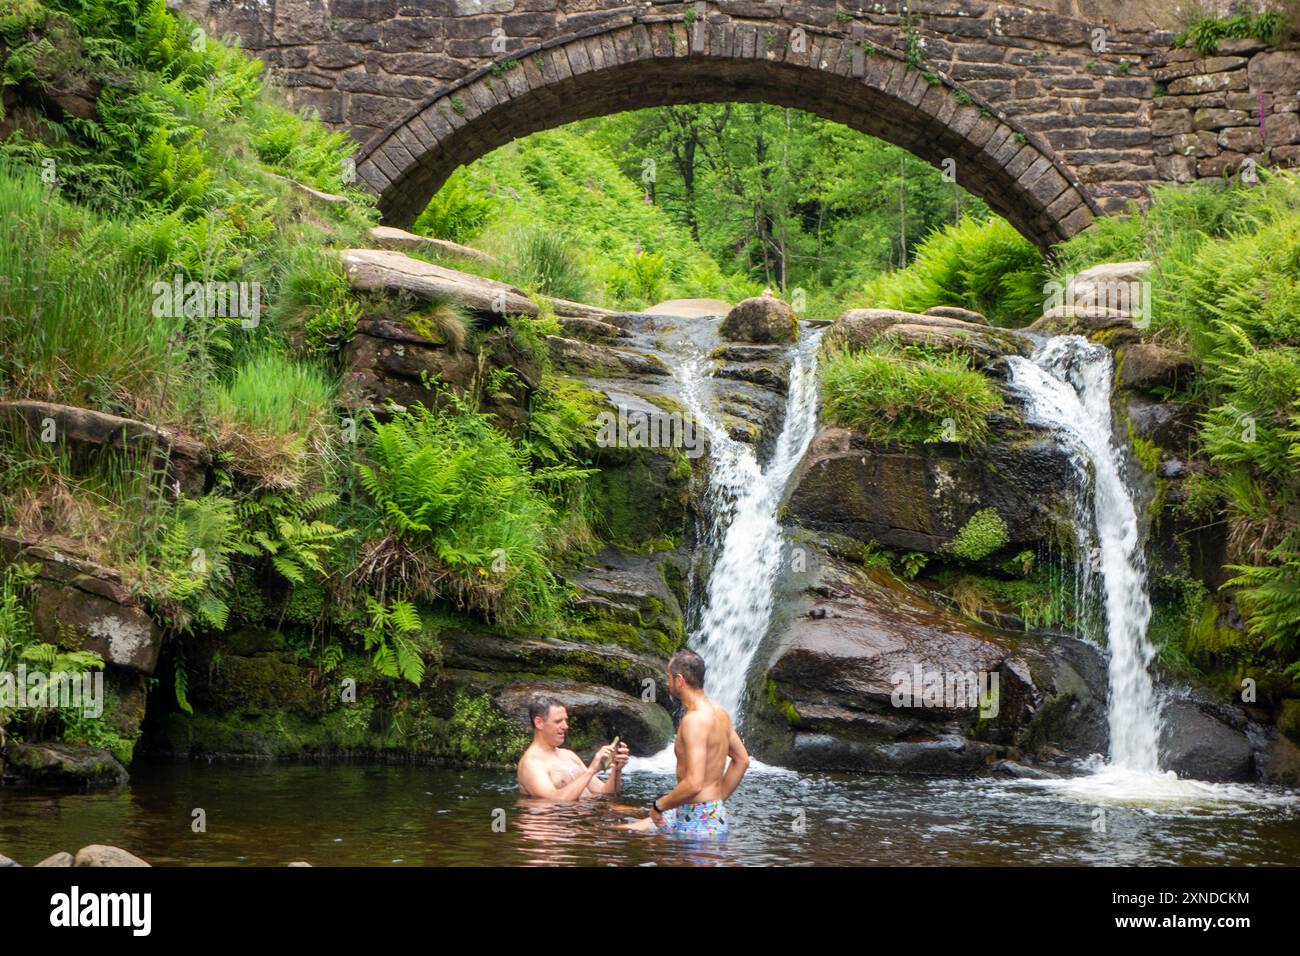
column 745, row 533
column 1066, row 387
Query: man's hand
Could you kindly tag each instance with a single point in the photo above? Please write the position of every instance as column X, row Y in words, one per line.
column 621, row 757
column 598, row 762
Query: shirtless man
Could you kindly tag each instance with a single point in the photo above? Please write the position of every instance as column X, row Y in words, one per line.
column 550, row 773
column 705, row 739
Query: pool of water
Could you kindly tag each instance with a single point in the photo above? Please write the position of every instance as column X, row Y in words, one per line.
column 374, row 815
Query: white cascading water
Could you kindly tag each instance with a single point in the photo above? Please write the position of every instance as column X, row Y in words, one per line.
column 744, row 533
column 743, row 499
column 1066, row 387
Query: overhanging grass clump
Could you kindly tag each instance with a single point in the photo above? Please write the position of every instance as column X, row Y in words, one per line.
column 903, row 396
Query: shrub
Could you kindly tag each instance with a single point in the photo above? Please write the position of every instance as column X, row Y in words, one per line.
column 982, row 265
column 467, row 520
column 900, row 396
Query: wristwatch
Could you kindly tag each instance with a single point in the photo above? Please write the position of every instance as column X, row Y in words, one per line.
column 655, row 805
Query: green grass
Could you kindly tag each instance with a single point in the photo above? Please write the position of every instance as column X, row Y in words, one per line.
column 901, row 396
column 76, row 316
column 274, row 417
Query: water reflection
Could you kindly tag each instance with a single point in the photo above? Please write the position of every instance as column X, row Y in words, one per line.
column 414, row 816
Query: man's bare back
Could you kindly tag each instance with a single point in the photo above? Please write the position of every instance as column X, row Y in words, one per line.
column 712, row 724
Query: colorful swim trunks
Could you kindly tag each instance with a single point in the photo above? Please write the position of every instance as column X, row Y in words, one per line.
column 700, row 819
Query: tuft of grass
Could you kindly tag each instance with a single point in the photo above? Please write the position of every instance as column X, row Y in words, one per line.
column 893, row 395
column 273, row 418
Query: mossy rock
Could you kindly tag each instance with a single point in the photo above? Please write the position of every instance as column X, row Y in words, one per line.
column 1288, row 719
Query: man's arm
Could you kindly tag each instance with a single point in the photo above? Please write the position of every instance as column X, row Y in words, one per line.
column 739, row 764
column 695, row 741
column 538, row 782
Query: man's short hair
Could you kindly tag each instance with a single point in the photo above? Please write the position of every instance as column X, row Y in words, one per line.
column 688, row 665
column 539, row 705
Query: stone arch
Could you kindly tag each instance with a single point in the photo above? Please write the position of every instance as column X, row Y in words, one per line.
column 653, row 64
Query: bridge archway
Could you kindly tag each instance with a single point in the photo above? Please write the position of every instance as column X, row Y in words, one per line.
column 662, row 64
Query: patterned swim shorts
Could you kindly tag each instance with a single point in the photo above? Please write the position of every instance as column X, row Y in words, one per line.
column 700, row 819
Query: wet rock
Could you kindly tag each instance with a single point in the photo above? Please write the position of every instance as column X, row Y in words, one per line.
column 596, row 713
column 6, row 862
column 948, row 755
column 1278, row 761
column 634, row 590
column 1010, row 768
column 184, row 459
column 100, row 855
column 1144, row 366
column 585, row 357
column 1098, row 324
column 399, row 240
column 61, row 858
column 761, row 319
column 956, row 312
column 775, row 378
column 918, row 499
column 80, row 605
column 592, row 328
column 1071, row 721
column 1167, row 425
column 58, row 764
column 1199, row 744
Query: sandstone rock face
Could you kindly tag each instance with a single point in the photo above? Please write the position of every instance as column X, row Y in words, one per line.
column 587, row 358
column 596, row 713
column 918, row 499
column 185, row 459
column 62, row 858
column 1144, row 366
column 863, row 328
column 57, row 764
column 84, row 606
column 385, row 270
column 388, row 362
column 760, row 320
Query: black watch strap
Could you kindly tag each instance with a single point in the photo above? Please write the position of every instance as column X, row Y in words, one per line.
column 655, row 804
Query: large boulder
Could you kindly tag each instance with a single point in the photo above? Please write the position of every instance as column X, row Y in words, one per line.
column 867, row 676
column 1110, row 303
column 1144, row 366
column 596, row 713
column 1205, row 742
column 399, row 240
column 918, row 499
column 762, row 319
column 64, row 765
column 864, row 328
column 382, row 270
column 80, row 605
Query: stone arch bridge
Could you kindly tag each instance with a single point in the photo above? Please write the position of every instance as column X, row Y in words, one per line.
column 1051, row 111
